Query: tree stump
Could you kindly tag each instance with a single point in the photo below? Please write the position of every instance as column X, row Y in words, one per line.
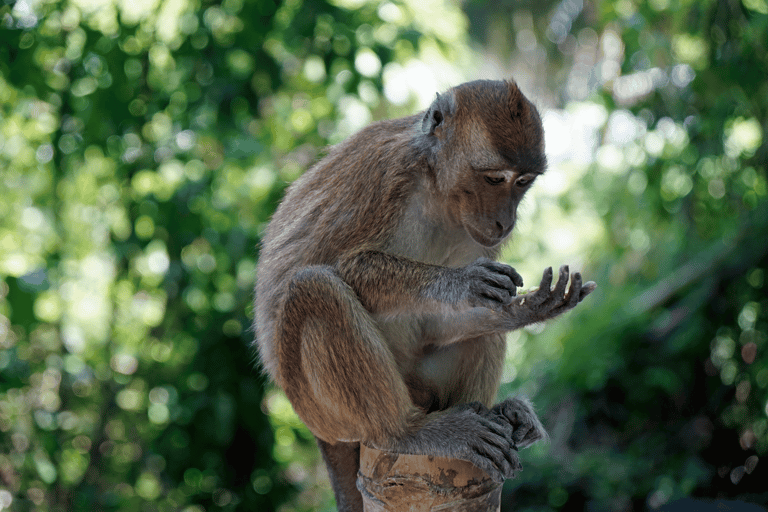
column 391, row 482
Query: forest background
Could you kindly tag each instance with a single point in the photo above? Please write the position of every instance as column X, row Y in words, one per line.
column 144, row 145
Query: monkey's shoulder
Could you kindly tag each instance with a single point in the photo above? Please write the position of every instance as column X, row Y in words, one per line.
column 384, row 146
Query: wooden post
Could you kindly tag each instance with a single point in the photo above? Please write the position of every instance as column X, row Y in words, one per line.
column 391, row 482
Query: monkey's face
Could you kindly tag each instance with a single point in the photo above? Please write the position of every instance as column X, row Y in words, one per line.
column 502, row 154
column 485, row 142
column 487, row 201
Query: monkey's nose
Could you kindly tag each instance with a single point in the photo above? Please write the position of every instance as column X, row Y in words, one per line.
column 502, row 230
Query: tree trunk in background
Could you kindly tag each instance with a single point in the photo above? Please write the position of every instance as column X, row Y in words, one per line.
column 393, row 482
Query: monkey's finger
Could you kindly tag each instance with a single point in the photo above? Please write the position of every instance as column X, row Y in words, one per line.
column 491, row 461
column 562, row 281
column 496, row 266
column 511, row 462
column 522, row 432
column 538, row 297
column 501, row 433
column 495, row 422
column 575, row 290
column 508, row 271
column 571, row 299
column 517, row 279
column 495, row 298
column 491, row 272
column 527, row 429
column 479, row 455
column 537, row 433
column 516, row 465
column 588, row 288
column 499, row 449
column 576, row 294
column 499, row 275
column 546, row 280
column 502, row 281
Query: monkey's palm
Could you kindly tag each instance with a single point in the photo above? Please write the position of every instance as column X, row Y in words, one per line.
column 547, row 302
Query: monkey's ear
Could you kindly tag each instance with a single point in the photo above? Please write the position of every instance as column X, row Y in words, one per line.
column 436, row 114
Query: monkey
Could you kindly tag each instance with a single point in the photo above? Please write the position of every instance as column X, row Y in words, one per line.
column 379, row 307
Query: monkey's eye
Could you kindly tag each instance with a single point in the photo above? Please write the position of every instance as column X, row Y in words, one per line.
column 494, row 181
column 523, row 181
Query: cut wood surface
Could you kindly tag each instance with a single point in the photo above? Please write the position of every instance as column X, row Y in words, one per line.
column 393, row 482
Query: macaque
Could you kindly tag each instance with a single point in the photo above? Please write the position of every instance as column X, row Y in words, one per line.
column 380, row 310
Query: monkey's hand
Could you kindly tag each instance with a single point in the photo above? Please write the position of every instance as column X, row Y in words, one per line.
column 518, row 412
column 469, row 432
column 547, row 302
column 483, row 282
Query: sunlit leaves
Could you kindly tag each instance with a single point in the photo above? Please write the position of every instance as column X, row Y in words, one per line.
column 743, row 137
column 690, row 49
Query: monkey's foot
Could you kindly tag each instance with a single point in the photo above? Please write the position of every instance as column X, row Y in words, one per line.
column 519, row 413
column 469, row 432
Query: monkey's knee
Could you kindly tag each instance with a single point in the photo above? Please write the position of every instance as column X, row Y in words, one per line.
column 314, row 278
column 314, row 291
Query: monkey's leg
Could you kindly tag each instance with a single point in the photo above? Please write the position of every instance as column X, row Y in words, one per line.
column 335, row 368
column 343, row 462
column 478, row 370
column 339, row 375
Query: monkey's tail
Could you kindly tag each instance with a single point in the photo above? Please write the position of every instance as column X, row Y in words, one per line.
column 336, row 368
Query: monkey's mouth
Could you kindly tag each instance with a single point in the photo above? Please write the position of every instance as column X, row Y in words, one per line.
column 482, row 238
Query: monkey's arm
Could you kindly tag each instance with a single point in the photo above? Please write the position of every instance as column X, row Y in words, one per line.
column 544, row 303
column 387, row 284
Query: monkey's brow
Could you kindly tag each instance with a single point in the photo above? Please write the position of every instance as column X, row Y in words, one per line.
column 531, row 161
column 487, row 160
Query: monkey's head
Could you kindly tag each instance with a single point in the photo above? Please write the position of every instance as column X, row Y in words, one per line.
column 485, row 146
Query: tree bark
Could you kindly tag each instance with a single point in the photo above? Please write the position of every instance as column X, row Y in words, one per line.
column 391, row 482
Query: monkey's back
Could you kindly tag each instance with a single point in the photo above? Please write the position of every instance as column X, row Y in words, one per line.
column 348, row 200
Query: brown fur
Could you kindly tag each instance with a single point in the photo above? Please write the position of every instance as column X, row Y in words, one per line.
column 373, row 311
